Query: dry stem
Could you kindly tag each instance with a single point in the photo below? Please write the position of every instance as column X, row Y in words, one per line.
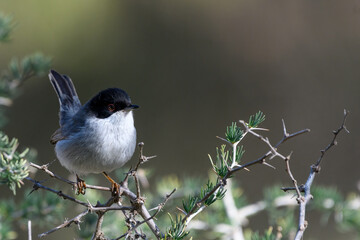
column 315, row 168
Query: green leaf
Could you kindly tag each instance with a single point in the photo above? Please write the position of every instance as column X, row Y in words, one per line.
column 177, row 229
column 233, row 133
column 189, row 204
column 256, row 120
column 220, row 166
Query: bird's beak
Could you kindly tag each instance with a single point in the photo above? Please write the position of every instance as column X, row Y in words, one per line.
column 131, row 107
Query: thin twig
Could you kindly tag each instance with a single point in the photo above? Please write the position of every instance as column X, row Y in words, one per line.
column 111, row 208
column 51, row 174
column 37, row 185
column 137, row 184
column 301, row 188
column 288, row 170
column 142, row 157
column 76, row 220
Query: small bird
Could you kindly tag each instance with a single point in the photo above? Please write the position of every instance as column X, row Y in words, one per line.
column 96, row 137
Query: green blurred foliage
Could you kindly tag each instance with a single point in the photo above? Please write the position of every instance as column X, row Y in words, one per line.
column 6, row 27
column 42, row 208
column 268, row 235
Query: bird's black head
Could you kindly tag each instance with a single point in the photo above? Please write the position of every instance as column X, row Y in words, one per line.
column 109, row 101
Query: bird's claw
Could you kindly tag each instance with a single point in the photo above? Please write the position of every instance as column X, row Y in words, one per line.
column 80, row 186
column 115, row 189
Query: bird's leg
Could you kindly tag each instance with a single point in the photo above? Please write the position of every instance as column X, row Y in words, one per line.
column 115, row 187
column 81, row 186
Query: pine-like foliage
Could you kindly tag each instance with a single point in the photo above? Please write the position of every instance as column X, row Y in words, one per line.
column 13, row 167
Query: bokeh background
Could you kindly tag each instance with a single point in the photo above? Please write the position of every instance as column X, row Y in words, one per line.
column 196, row 66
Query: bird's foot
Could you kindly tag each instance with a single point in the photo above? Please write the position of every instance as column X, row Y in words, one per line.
column 115, row 187
column 80, row 186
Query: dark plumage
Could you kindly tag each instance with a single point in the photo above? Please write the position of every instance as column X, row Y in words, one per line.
column 109, row 101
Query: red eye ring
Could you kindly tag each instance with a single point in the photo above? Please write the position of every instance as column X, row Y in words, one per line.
column 111, row 107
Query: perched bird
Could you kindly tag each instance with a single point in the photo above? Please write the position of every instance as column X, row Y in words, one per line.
column 96, row 137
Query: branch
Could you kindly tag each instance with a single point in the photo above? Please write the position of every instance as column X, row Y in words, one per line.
column 158, row 209
column 98, row 234
column 222, row 182
column 37, row 185
column 315, row 168
column 76, row 220
column 53, row 175
column 262, row 158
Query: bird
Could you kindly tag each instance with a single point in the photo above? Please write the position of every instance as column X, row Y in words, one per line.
column 96, row 137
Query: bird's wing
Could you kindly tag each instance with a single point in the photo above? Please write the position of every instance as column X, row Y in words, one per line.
column 68, row 98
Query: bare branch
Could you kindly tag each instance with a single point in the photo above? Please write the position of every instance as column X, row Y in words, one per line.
column 76, row 220
column 51, row 174
column 37, row 185
column 333, row 141
column 111, row 208
column 98, row 234
column 288, row 170
column 315, row 168
column 142, row 157
column 301, row 188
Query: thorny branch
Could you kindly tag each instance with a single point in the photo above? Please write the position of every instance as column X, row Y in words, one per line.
column 315, row 168
column 51, row 174
column 76, row 220
column 38, row 185
column 222, row 182
column 158, row 209
column 137, row 202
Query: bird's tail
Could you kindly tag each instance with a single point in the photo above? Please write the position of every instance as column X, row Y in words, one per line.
column 68, row 98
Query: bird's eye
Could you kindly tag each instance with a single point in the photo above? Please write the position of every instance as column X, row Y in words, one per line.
column 111, row 107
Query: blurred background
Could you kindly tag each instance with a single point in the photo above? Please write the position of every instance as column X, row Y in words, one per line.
column 196, row 66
